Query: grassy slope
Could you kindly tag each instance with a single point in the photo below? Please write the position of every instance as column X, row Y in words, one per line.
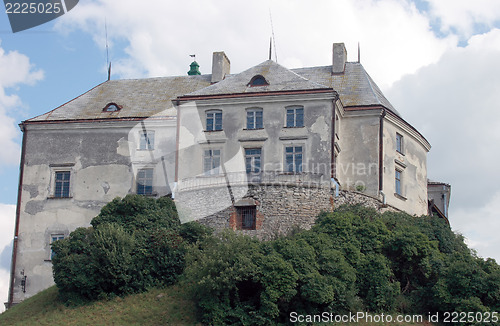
column 168, row 306
column 157, row 307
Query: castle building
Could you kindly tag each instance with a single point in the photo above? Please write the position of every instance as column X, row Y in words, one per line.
column 261, row 151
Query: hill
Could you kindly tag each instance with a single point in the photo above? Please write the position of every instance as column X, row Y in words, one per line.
column 168, row 306
column 352, row 260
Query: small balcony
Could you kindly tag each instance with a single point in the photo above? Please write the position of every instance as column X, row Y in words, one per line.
column 279, row 178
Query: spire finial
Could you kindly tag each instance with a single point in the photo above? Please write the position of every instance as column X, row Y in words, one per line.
column 194, row 67
column 270, row 47
column 359, row 54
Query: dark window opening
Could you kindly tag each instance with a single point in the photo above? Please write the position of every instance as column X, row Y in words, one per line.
column 258, row 81
column 253, row 160
column 399, row 143
column 398, row 182
column 293, row 159
column 214, row 120
column 254, row 119
column 54, row 238
column 247, row 215
column 295, row 117
column 61, row 189
column 145, row 182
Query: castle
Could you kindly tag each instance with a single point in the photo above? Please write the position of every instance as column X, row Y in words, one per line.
column 260, row 151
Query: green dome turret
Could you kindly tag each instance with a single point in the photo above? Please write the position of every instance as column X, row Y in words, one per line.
column 194, row 69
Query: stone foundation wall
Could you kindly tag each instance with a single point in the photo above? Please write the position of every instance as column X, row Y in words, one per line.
column 279, row 208
column 354, row 197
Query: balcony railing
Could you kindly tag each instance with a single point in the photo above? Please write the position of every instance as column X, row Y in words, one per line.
column 309, row 179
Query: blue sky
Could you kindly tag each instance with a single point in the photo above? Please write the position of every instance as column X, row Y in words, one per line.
column 436, row 61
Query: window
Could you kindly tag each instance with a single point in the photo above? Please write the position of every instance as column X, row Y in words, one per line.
column 399, row 174
column 62, row 181
column 147, row 140
column 293, row 159
column 399, row 143
column 211, row 162
column 295, row 117
column 145, row 182
column 258, row 81
column 112, row 107
column 247, row 215
column 252, row 160
column 254, row 119
column 214, row 120
column 54, row 238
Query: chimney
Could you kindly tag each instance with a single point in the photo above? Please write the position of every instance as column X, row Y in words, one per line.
column 220, row 66
column 339, row 58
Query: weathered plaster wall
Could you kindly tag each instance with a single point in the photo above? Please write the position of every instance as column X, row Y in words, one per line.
column 413, row 164
column 103, row 161
column 357, row 163
column 315, row 136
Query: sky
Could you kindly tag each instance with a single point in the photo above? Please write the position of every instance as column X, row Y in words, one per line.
column 437, row 61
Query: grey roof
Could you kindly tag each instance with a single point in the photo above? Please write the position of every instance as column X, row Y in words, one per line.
column 278, row 77
column 355, row 86
column 138, row 98
column 149, row 96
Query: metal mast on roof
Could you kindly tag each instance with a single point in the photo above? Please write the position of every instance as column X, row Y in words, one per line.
column 108, row 63
column 270, row 47
column 273, row 38
column 359, row 54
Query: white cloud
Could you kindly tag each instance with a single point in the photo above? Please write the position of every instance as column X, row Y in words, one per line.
column 4, row 288
column 454, row 103
column 15, row 69
column 465, row 16
column 396, row 39
column 480, row 226
column 7, row 221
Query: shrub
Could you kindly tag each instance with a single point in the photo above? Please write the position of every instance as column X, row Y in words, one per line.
column 133, row 244
column 353, row 259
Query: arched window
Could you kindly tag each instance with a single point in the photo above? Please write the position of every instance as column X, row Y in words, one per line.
column 258, row 81
column 112, row 107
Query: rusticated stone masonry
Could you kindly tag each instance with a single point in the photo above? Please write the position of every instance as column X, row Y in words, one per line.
column 279, row 208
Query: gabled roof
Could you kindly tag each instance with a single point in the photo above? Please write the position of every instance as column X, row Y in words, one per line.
column 141, row 98
column 278, row 78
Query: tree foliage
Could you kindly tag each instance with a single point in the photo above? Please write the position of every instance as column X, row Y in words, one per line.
column 134, row 243
column 353, row 259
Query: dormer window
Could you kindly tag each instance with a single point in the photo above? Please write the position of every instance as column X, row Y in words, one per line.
column 112, row 107
column 258, row 81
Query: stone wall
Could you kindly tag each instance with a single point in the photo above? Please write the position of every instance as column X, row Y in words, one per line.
column 279, row 208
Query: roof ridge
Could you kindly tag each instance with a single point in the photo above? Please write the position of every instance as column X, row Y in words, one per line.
column 279, row 78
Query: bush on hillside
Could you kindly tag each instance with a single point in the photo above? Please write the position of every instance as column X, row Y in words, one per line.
column 353, row 259
column 134, row 243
